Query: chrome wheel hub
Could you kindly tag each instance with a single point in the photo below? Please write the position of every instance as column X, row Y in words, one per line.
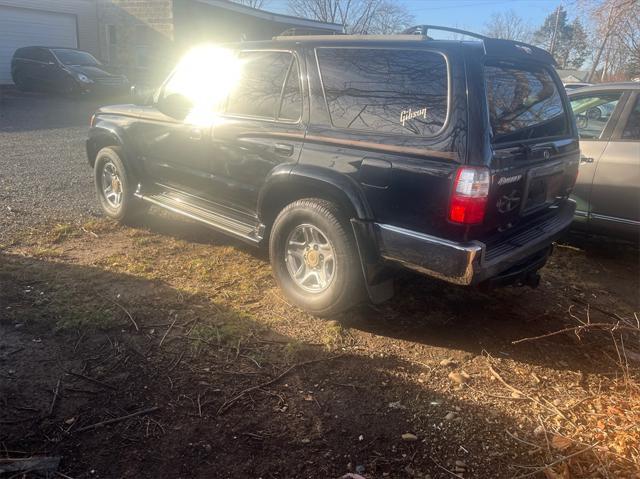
column 111, row 185
column 310, row 258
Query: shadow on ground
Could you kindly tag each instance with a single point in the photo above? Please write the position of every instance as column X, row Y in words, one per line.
column 429, row 313
column 191, row 357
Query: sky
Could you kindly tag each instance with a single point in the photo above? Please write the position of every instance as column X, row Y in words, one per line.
column 466, row 14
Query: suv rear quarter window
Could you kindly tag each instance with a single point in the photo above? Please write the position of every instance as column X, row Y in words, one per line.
column 524, row 103
column 398, row 91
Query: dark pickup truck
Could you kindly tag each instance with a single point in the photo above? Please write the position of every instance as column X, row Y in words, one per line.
column 350, row 154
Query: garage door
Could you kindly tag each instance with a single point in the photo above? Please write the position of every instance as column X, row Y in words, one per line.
column 20, row 27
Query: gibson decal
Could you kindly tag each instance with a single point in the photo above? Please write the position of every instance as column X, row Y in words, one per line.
column 410, row 114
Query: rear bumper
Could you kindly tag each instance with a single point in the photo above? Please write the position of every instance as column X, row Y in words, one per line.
column 474, row 262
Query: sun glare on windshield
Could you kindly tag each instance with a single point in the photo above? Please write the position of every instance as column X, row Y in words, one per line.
column 205, row 75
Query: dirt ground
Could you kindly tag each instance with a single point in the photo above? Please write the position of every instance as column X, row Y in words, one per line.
column 184, row 332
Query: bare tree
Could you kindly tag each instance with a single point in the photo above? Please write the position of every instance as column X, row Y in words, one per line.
column 252, row 3
column 508, row 25
column 616, row 32
column 357, row 16
column 390, row 18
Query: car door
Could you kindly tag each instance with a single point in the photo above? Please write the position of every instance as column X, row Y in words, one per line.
column 30, row 65
column 615, row 195
column 262, row 127
column 44, row 69
column 593, row 112
column 173, row 135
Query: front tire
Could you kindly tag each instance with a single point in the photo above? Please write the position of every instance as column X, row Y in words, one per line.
column 115, row 186
column 314, row 257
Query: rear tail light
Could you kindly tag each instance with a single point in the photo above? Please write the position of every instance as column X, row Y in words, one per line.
column 469, row 197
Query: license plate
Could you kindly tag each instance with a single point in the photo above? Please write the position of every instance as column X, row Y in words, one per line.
column 543, row 187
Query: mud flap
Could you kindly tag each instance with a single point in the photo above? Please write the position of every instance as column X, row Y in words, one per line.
column 378, row 278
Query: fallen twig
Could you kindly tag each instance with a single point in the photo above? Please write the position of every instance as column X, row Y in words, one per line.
column 577, row 329
column 548, row 406
column 89, row 232
column 123, row 309
column 555, row 463
column 445, row 469
column 55, row 397
column 118, row 419
column 87, row 378
column 232, row 401
column 168, row 329
column 175, row 364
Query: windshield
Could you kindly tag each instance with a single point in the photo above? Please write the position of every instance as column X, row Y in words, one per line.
column 524, row 103
column 75, row 57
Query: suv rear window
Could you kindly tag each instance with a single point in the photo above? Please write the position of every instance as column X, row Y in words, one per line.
column 385, row 90
column 524, row 103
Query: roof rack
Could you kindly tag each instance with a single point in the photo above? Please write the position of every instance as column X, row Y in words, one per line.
column 306, row 31
column 342, row 37
column 424, row 30
column 495, row 47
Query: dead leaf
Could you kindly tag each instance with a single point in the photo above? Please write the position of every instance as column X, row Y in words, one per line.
column 565, row 473
column 560, row 443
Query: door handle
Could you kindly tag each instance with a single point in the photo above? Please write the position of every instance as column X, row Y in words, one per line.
column 586, row 159
column 283, row 149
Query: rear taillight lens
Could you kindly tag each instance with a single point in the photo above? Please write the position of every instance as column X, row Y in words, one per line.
column 469, row 197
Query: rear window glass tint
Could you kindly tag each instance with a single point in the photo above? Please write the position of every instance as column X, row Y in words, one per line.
column 386, row 91
column 524, row 103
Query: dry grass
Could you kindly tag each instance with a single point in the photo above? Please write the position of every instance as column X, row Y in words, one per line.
column 587, row 430
column 600, row 435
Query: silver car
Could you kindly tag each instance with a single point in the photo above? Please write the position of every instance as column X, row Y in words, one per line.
column 608, row 188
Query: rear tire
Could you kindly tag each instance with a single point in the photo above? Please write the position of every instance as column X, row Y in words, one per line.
column 311, row 239
column 115, row 186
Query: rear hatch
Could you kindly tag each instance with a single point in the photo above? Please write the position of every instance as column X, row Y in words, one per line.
column 535, row 148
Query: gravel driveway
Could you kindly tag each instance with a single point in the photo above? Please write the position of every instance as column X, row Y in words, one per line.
column 44, row 174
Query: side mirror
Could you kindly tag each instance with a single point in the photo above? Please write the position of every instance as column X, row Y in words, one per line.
column 142, row 95
column 175, row 105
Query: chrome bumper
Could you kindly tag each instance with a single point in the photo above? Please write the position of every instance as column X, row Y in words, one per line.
column 472, row 262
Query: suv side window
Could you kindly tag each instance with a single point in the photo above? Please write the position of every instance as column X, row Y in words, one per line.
column 41, row 55
column 632, row 128
column 385, row 90
column 261, row 85
column 22, row 54
column 592, row 112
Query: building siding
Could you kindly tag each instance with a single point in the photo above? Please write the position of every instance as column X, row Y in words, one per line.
column 84, row 10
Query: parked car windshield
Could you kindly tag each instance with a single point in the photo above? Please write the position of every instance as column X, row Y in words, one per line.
column 524, row 103
column 75, row 57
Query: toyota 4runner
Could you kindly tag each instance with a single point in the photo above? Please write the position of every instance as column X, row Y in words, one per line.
column 349, row 154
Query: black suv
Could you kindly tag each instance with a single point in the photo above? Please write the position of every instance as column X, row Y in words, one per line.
column 349, row 154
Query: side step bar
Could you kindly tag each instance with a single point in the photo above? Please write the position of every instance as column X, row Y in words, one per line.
column 240, row 225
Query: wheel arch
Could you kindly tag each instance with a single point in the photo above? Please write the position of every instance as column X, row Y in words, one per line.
column 102, row 136
column 289, row 183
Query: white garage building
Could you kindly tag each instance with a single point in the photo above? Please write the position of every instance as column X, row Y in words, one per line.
column 61, row 23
